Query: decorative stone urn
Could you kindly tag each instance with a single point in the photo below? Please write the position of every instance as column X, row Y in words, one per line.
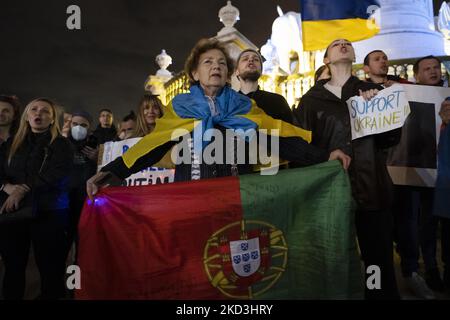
column 164, row 61
column 228, row 15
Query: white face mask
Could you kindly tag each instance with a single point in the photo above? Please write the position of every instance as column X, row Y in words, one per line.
column 79, row 133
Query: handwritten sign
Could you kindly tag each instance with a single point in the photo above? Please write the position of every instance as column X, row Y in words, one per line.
column 148, row 176
column 386, row 111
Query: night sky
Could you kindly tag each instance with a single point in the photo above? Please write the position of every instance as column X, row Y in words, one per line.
column 107, row 62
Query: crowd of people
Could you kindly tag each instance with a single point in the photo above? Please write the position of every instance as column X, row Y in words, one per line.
column 52, row 170
column 46, row 157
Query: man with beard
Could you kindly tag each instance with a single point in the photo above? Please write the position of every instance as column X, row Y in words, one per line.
column 248, row 71
column 376, row 66
column 105, row 131
column 9, row 116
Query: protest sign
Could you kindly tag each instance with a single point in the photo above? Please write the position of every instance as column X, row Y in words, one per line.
column 386, row 111
column 148, row 176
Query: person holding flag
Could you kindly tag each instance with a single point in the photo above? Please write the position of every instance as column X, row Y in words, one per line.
column 211, row 103
column 161, row 240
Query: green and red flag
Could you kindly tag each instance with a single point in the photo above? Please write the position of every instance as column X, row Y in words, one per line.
column 287, row 236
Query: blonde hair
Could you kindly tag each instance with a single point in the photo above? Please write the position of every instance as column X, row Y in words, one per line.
column 24, row 126
column 142, row 129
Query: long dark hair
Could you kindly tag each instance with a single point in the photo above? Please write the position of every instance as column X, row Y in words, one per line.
column 15, row 103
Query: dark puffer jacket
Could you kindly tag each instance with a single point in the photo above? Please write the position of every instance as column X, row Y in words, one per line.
column 105, row 134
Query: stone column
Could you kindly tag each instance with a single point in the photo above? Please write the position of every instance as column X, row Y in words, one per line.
column 407, row 31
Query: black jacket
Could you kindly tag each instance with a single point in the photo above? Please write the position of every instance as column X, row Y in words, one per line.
column 83, row 167
column 42, row 166
column 393, row 78
column 273, row 104
column 327, row 117
column 105, row 134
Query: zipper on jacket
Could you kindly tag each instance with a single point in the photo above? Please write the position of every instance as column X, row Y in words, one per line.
column 45, row 160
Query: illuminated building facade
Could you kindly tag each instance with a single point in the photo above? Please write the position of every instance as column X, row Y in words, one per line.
column 407, row 31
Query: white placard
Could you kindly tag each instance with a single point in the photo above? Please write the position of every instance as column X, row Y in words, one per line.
column 386, row 111
column 148, row 176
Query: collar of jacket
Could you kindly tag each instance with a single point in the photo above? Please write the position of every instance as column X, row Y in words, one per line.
column 100, row 128
column 388, row 77
column 348, row 89
column 440, row 84
column 39, row 138
column 252, row 93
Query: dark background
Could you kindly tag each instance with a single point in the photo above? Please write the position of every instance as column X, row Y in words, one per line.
column 106, row 63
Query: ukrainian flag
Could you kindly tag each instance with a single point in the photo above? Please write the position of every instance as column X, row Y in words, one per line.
column 326, row 20
column 185, row 112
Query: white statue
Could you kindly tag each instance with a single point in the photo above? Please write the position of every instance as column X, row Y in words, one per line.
column 269, row 52
column 164, row 61
column 406, row 31
column 229, row 15
column 444, row 20
column 287, row 38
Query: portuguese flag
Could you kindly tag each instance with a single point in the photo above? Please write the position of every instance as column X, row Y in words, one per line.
column 287, row 236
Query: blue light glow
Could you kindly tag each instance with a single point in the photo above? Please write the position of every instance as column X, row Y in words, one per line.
column 97, row 201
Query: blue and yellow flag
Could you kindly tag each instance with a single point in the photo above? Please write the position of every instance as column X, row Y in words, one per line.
column 324, row 21
column 186, row 111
